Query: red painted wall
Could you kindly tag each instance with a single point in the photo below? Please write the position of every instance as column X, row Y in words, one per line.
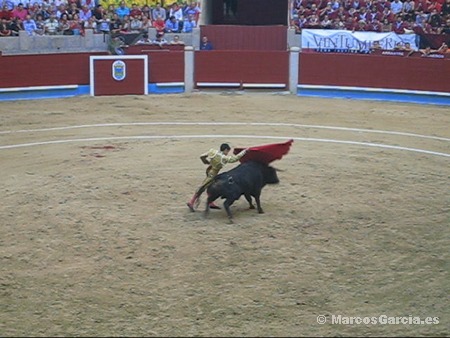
column 44, row 70
column 132, row 84
column 73, row 69
column 375, row 71
column 224, row 37
column 247, row 67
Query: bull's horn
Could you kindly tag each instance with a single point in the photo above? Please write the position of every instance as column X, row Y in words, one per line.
column 280, row 170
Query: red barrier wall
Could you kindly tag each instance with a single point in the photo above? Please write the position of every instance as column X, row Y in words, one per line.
column 44, row 70
column 247, row 67
column 246, row 37
column 73, row 69
column 390, row 72
column 132, row 84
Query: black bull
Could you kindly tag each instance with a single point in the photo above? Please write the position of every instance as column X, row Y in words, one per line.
column 247, row 179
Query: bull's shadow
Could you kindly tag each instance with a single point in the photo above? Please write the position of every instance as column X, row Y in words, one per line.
column 247, row 179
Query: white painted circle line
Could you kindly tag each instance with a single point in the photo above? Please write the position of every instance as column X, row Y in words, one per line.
column 227, row 124
column 174, row 137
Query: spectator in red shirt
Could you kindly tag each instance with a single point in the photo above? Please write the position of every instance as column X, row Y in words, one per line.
column 19, row 12
column 135, row 11
column 159, row 24
column 6, row 14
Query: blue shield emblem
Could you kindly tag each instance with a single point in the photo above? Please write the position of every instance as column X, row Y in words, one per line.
column 119, row 70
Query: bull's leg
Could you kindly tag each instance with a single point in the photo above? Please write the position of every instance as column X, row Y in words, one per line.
column 258, row 204
column 248, row 197
column 227, row 204
column 208, row 201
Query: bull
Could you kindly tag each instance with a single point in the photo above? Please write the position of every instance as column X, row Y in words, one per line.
column 247, row 179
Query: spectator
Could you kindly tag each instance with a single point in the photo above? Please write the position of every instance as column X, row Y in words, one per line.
column 445, row 10
column 136, row 24
column 73, row 9
column 110, row 12
column 135, row 11
column 159, row 24
column 91, row 24
column 61, row 10
column 85, row 13
column 396, row 7
column 399, row 26
column 176, row 11
column 89, row 3
column 40, row 25
column 160, row 40
column 146, row 24
column 75, row 25
column 176, row 40
column 15, row 25
column 126, row 25
column 33, row 9
column 194, row 10
column 4, row 28
column 64, row 26
column 435, row 21
column 407, row 47
column 443, row 49
column 6, row 14
column 115, row 46
column 29, row 25
column 158, row 12
column 115, row 25
column 51, row 25
column 189, row 24
column 206, row 44
column 99, row 13
column 122, row 10
column 376, row 45
column 104, row 26
column 146, row 12
column 326, row 23
column 19, row 12
column 144, row 40
column 171, row 25
column 446, row 27
column 10, row 4
column 427, row 51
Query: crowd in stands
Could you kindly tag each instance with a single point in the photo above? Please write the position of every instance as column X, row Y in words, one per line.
column 74, row 17
column 399, row 16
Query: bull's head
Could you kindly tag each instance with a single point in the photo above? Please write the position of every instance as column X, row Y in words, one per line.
column 270, row 175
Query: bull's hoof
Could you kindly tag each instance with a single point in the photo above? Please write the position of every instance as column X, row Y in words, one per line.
column 252, row 207
column 213, row 206
column 230, row 221
column 190, row 206
column 260, row 211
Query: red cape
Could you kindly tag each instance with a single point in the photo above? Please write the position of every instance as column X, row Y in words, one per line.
column 266, row 153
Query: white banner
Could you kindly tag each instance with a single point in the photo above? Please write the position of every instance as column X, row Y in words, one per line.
column 346, row 40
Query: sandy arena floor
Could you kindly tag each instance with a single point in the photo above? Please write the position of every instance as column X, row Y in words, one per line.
column 96, row 239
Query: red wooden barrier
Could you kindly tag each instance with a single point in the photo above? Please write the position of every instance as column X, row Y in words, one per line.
column 242, row 67
column 374, row 71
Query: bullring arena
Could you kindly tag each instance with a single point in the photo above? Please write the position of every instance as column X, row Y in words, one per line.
column 99, row 153
column 96, row 238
